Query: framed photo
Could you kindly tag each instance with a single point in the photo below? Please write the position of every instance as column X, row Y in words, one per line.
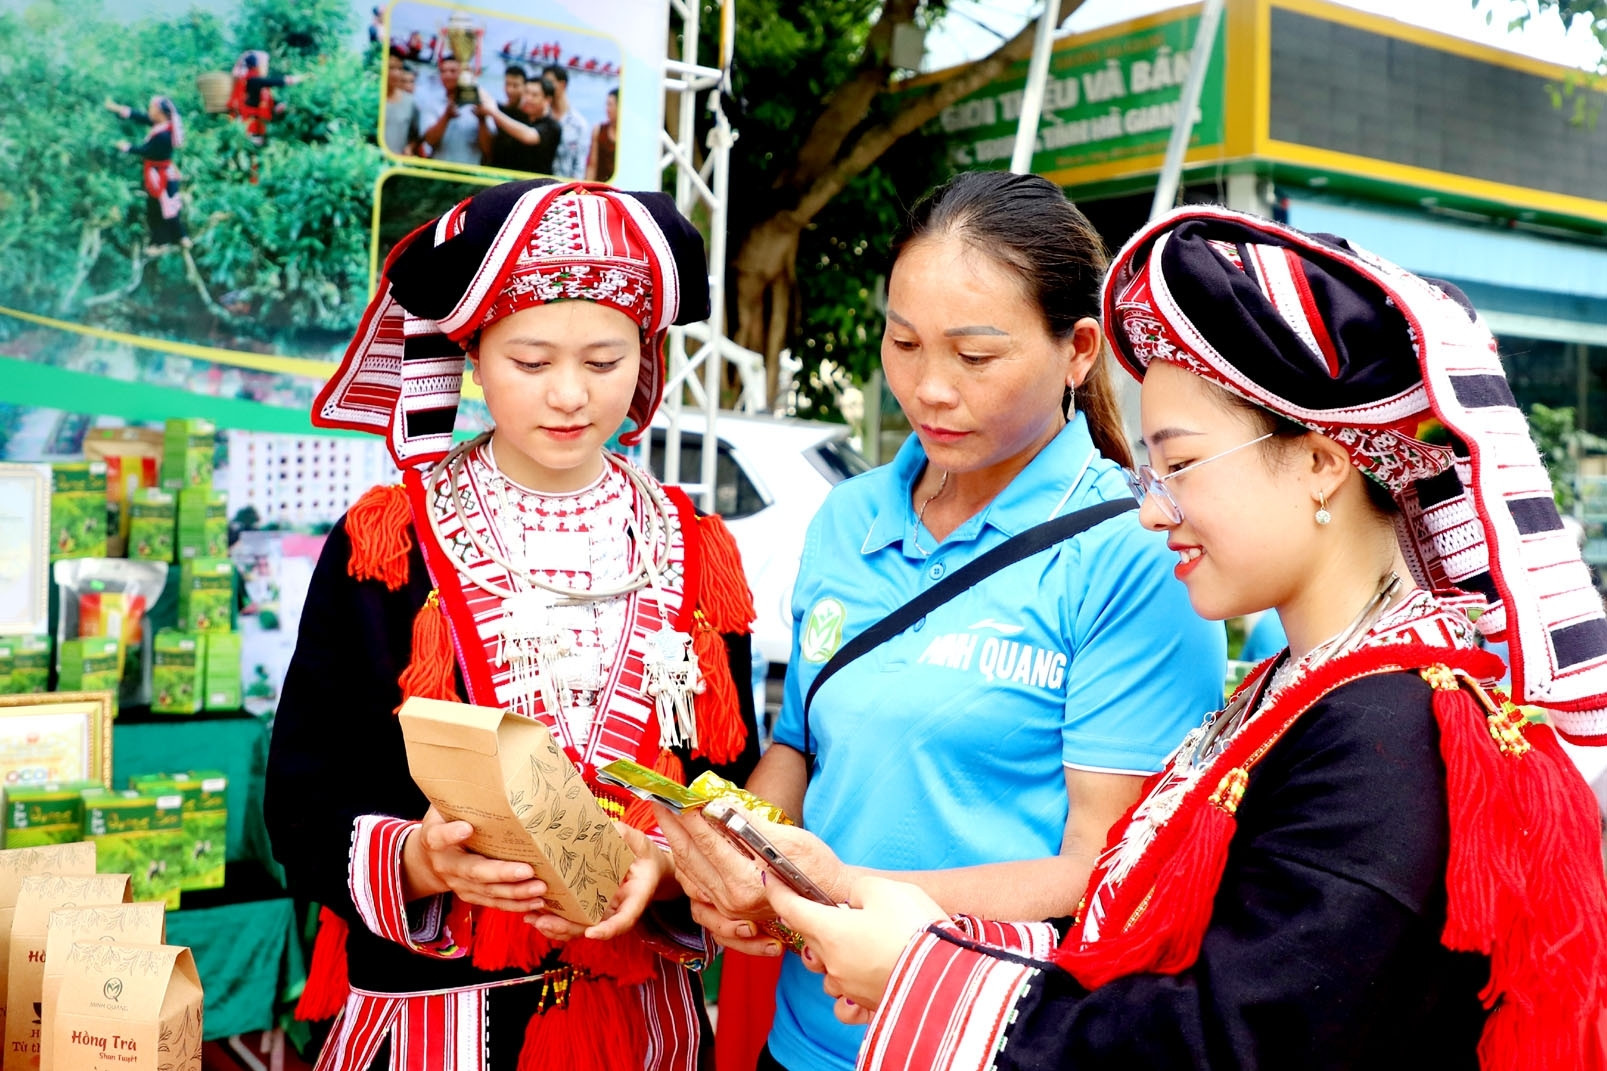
column 55, row 736
column 24, row 548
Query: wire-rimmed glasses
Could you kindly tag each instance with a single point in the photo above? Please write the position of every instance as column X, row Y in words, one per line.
column 1145, row 482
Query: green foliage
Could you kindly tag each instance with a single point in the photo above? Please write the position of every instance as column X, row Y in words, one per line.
column 1555, row 434
column 282, row 264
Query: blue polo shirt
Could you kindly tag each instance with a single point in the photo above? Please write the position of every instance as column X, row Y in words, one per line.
column 945, row 746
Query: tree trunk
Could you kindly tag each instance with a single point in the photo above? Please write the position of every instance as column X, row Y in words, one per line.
column 766, row 276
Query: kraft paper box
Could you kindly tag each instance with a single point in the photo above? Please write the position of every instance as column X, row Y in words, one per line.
column 176, row 667
column 108, row 923
column 140, row 834
column 153, row 519
column 127, row 1007
column 15, row 865
column 41, row 894
column 51, row 813
column 78, row 510
column 187, row 448
column 206, row 595
column 504, row 775
column 206, row 816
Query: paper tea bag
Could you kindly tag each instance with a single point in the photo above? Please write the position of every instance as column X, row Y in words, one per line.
column 127, row 1007
column 18, row 863
column 144, row 923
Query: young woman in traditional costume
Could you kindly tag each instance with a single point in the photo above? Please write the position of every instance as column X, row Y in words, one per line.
column 1369, row 858
column 527, row 569
column 164, row 207
column 985, row 744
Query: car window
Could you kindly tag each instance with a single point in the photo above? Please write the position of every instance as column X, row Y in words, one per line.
column 836, row 460
column 735, row 495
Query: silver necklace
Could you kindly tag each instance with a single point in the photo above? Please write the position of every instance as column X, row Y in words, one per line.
column 920, row 515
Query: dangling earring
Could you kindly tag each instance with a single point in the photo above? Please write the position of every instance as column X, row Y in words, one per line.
column 1071, row 404
column 1323, row 516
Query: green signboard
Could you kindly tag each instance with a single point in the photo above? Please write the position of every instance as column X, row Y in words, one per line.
column 1107, row 100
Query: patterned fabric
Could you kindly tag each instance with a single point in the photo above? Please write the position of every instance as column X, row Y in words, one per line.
column 511, row 247
column 1401, row 373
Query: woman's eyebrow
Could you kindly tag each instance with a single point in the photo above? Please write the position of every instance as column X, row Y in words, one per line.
column 1164, row 434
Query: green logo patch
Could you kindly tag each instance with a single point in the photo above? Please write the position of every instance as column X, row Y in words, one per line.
column 823, row 630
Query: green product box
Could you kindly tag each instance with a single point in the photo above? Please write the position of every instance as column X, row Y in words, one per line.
column 5, row 666
column 90, row 664
column 30, row 664
column 221, row 678
column 178, row 661
column 216, row 528
column 206, row 595
column 187, row 447
column 78, row 510
column 153, row 519
column 191, row 538
column 206, row 819
column 51, row 813
column 141, row 834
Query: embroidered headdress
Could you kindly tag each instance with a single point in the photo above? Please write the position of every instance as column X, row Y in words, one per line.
column 509, row 248
column 1402, row 373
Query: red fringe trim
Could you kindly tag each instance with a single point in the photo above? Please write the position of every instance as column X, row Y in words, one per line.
column 721, row 733
column 602, row 1029
column 327, row 985
column 379, row 525
column 723, row 595
column 432, row 673
column 503, row 939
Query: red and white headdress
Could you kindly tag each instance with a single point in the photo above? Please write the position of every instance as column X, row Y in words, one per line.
column 1400, row 372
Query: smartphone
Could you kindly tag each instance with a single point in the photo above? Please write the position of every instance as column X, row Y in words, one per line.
column 645, row 784
column 727, row 819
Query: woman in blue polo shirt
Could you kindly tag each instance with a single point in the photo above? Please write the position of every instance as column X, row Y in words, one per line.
column 985, row 751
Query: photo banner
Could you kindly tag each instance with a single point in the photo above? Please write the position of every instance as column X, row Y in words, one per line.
column 201, row 189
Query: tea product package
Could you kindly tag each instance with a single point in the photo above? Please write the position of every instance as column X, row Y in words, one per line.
column 176, row 686
column 30, row 664
column 41, row 894
column 78, row 510
column 141, row 834
column 187, row 448
column 90, row 664
column 206, row 595
column 504, row 775
column 51, row 813
column 203, row 526
column 221, row 676
column 144, row 923
column 127, row 1007
column 15, row 865
column 206, row 817
column 133, row 459
column 153, row 519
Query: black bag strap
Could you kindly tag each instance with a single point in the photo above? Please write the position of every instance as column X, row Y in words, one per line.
column 1038, row 538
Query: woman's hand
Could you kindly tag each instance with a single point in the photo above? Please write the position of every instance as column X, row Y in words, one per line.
column 112, row 106
column 856, row 946
column 724, row 884
column 434, row 861
column 651, row 877
column 488, row 103
column 123, row 146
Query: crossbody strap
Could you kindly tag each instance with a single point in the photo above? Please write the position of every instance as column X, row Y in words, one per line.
column 1038, row 538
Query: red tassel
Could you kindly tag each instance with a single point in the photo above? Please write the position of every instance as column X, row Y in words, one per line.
column 432, row 673
column 379, row 525
column 327, row 986
column 1524, row 883
column 720, row 731
column 639, row 815
column 723, row 594
column 602, row 1029
column 626, row 959
column 1166, row 937
column 503, row 939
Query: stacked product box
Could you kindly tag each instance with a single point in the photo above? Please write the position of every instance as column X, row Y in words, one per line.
column 206, row 819
column 50, row 813
column 141, row 834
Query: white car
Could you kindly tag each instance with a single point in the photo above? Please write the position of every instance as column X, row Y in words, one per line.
column 771, row 475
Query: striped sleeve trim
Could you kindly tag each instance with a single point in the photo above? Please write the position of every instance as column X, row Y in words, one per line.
column 1035, row 939
column 375, row 881
column 946, row 1008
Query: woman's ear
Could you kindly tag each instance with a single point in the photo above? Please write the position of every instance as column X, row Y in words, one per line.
column 1329, row 465
column 1082, row 350
column 473, row 357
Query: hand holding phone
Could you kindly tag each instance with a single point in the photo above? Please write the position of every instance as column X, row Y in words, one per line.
column 725, row 817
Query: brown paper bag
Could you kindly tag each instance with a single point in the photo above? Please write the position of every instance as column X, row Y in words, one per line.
column 127, row 1007
column 142, row 923
column 18, row 863
column 504, row 775
column 41, row 894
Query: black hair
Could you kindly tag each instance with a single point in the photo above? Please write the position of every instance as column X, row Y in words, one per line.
column 614, row 92
column 546, row 86
column 514, row 68
column 558, row 74
column 1025, row 223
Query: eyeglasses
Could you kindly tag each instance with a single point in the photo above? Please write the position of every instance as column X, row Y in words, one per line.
column 1145, row 482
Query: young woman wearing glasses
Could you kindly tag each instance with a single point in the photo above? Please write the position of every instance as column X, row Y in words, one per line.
column 1368, row 858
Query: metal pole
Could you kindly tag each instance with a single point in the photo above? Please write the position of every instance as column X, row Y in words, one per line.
column 1183, row 125
column 720, row 139
column 1032, row 95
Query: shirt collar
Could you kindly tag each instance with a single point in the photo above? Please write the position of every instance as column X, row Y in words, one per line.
column 1048, row 487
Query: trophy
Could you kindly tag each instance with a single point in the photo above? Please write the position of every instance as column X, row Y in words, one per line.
column 463, row 38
